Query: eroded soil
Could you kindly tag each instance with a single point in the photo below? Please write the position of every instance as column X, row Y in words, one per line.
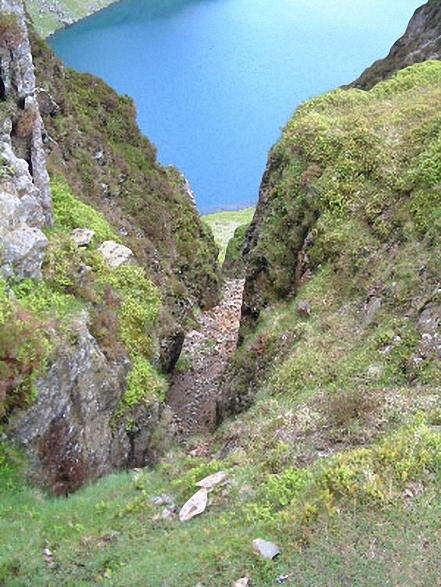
column 196, row 382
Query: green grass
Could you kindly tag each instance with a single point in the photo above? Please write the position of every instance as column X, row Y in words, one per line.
column 330, row 523
column 223, row 225
column 46, row 22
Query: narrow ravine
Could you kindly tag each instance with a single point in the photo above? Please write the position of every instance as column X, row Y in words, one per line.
column 196, row 382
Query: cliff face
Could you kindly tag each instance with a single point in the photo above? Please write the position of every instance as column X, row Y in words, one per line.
column 84, row 331
column 420, row 42
column 25, row 196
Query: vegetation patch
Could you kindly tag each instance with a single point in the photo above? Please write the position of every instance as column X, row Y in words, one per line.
column 11, row 33
column 70, row 213
column 24, row 347
column 144, row 385
column 224, row 224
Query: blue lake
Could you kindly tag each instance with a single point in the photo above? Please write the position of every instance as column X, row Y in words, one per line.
column 215, row 80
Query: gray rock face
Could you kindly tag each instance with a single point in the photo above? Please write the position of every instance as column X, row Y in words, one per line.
column 18, row 83
column 23, row 252
column 69, row 429
column 70, row 432
column 22, row 243
column 421, row 41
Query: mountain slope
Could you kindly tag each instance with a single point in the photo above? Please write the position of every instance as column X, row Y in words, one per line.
column 420, row 42
column 337, row 458
column 101, row 271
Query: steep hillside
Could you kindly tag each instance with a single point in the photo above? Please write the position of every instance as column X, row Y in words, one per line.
column 348, row 222
column 102, row 269
column 330, row 447
column 94, row 142
column 338, row 460
column 420, row 42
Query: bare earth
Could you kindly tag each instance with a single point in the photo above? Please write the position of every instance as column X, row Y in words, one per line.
column 195, row 386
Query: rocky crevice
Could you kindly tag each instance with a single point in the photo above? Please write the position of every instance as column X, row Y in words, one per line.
column 196, row 384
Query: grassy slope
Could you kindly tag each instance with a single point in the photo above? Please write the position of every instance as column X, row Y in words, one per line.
column 339, row 459
column 48, row 21
column 223, row 225
column 107, row 532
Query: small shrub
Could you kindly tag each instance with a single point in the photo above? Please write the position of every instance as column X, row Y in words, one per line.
column 140, row 305
column 24, row 123
column 105, row 324
column 345, row 406
column 63, row 264
column 11, row 34
column 24, row 347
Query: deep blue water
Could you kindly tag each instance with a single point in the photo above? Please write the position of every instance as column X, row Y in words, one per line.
column 215, row 80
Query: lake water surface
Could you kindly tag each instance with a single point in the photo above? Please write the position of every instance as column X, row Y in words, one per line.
column 215, row 80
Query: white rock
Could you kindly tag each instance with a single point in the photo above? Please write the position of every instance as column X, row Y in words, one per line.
column 82, row 236
column 115, row 254
column 241, row 582
column 266, row 549
column 194, row 506
column 213, row 480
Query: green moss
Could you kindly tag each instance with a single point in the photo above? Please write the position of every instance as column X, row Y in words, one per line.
column 144, row 385
column 139, row 309
column 45, row 302
column 365, row 476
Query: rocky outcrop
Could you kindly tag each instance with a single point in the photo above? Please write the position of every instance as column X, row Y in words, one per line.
column 25, row 198
column 22, row 241
column 420, row 42
column 71, row 431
